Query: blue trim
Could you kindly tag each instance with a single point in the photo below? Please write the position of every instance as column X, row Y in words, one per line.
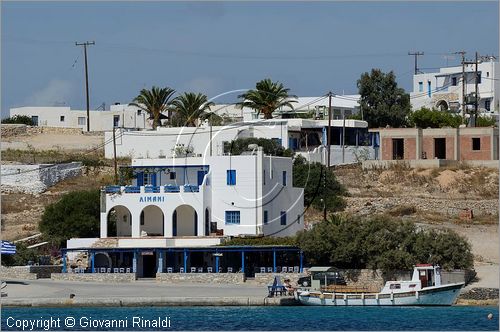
column 160, row 261
column 170, row 166
column 64, row 268
column 274, row 261
column 92, row 258
column 140, row 179
column 185, row 260
column 216, row 264
column 243, row 261
column 301, row 258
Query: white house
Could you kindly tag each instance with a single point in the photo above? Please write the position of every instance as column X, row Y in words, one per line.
column 195, row 202
column 443, row 89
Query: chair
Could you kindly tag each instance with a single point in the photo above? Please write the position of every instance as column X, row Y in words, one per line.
column 77, row 270
column 276, row 287
column 193, row 270
column 262, row 270
column 122, row 270
column 115, row 270
column 170, row 270
column 290, row 269
column 220, row 269
column 200, row 270
column 269, row 270
column 109, row 270
column 283, row 269
column 103, row 270
column 209, row 269
column 181, row 270
column 229, row 270
column 127, row 270
column 296, row 269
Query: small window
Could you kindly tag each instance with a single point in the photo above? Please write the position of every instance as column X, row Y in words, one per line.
column 81, row 121
column 476, row 144
column 487, row 74
column 412, row 285
column 142, row 217
column 478, row 78
column 266, row 218
column 284, row 178
column 116, row 120
column 231, row 177
column 420, row 86
column 283, row 218
column 61, row 118
column 264, row 177
column 454, row 81
column 172, row 175
column 487, row 105
column 233, row 217
column 395, row 286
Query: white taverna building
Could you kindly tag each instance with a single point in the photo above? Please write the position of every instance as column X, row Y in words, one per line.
column 176, row 211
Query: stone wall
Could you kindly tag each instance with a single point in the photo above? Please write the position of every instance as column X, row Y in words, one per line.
column 12, row 130
column 211, row 278
column 16, row 272
column 268, row 278
column 45, row 271
column 35, row 179
column 94, row 277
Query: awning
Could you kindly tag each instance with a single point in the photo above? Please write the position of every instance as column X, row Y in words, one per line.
column 322, row 269
column 8, row 248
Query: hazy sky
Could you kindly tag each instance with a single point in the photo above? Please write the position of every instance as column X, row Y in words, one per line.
column 215, row 47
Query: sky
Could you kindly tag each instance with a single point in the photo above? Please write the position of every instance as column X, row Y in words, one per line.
column 215, row 47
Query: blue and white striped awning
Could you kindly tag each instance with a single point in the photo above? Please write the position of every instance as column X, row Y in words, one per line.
column 8, row 248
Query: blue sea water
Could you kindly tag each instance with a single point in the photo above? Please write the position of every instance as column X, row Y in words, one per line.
column 458, row 318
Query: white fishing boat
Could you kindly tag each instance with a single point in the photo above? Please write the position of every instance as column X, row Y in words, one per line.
column 424, row 289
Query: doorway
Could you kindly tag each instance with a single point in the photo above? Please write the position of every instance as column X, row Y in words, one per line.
column 149, row 264
column 440, row 148
column 398, row 148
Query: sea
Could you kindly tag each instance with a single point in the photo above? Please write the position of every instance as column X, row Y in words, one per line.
column 279, row 318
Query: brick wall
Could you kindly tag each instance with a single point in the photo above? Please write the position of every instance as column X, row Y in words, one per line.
column 466, row 152
column 410, row 148
column 428, row 146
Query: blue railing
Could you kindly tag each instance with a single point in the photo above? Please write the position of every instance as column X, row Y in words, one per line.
column 151, row 189
column 170, row 188
column 112, row 189
column 132, row 189
column 191, row 188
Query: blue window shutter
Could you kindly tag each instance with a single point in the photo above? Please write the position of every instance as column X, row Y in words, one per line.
column 140, row 179
column 231, row 177
column 153, row 179
column 228, row 178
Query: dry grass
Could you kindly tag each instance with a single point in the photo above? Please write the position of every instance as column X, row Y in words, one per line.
column 403, row 210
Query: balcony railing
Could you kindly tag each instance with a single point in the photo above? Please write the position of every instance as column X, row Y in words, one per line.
column 187, row 188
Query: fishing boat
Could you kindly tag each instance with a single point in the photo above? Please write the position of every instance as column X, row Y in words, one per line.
column 424, row 289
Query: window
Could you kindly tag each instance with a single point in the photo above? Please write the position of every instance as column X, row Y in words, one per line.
column 487, row 74
column 420, row 86
column 476, row 144
column 231, row 177
column 149, row 179
column 298, row 219
column 81, row 121
column 264, row 177
column 172, row 175
column 395, row 286
column 283, row 218
column 116, row 120
column 478, row 78
column 454, row 81
column 266, row 217
column 284, row 178
column 142, row 218
column 277, row 140
column 61, row 118
column 487, row 105
column 233, row 217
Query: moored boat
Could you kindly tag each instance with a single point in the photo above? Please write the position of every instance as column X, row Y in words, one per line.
column 424, row 289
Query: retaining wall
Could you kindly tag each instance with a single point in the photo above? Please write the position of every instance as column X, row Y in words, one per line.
column 207, row 278
column 16, row 272
column 94, row 277
column 268, row 278
column 12, row 130
column 45, row 271
column 35, row 179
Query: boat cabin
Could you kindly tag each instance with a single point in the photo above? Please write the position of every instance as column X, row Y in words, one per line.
column 424, row 275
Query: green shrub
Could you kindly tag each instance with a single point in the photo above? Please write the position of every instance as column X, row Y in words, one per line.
column 427, row 118
column 18, row 119
column 485, row 121
column 76, row 214
column 270, row 147
column 22, row 257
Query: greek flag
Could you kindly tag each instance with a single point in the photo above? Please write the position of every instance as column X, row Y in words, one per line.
column 8, row 248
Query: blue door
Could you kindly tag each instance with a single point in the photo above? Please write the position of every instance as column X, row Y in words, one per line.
column 201, row 175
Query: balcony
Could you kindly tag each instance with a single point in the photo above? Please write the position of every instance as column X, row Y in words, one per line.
column 187, row 188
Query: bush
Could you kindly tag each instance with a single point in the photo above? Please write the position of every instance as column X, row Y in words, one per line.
column 485, row 121
column 270, row 147
column 76, row 214
column 18, row 119
column 427, row 118
column 382, row 243
column 319, row 183
column 22, row 257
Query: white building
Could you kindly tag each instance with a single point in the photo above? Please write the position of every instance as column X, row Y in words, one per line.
column 443, row 89
column 119, row 115
column 303, row 136
column 196, row 202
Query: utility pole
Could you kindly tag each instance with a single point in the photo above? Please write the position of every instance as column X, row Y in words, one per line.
column 476, row 100
column 462, row 53
column 416, row 55
column 114, row 155
column 329, row 127
column 86, row 78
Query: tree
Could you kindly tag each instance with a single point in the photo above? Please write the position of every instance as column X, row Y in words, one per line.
column 189, row 107
column 76, row 214
column 427, row 118
column 22, row 256
column 154, row 102
column 269, row 146
column 319, row 184
column 267, row 97
column 382, row 102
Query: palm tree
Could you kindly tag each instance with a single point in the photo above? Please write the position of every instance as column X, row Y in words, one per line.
column 267, row 97
column 190, row 107
column 154, row 101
